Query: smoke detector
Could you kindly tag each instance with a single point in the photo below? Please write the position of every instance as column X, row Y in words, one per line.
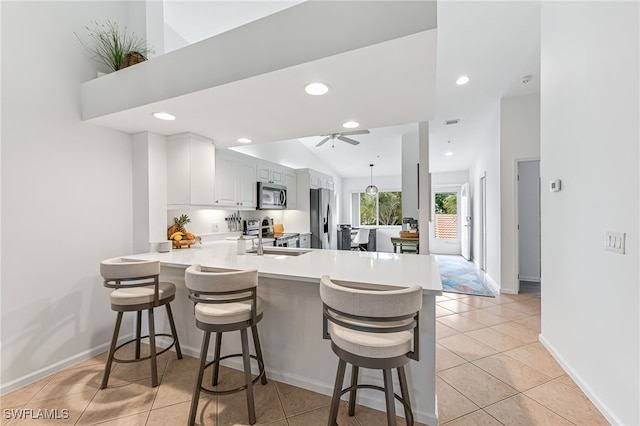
column 526, row 79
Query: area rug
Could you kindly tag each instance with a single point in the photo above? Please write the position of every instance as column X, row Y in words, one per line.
column 460, row 276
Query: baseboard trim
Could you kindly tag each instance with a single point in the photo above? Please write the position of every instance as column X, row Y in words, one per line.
column 530, row 279
column 58, row 366
column 602, row 407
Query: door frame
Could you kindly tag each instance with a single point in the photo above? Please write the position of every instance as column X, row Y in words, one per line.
column 516, row 219
column 482, row 244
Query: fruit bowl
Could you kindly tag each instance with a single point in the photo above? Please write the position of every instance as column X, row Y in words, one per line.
column 182, row 243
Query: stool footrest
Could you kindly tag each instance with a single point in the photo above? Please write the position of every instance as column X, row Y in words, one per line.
column 125, row 361
column 241, row 388
column 380, row 388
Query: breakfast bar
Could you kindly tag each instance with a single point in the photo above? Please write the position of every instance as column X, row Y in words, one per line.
column 291, row 331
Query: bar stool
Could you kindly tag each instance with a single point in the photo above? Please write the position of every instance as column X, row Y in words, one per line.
column 371, row 329
column 226, row 301
column 137, row 288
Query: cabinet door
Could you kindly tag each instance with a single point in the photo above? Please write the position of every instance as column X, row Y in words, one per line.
column 276, row 176
column 246, row 185
column 178, row 172
column 203, row 160
column 225, row 192
column 290, row 182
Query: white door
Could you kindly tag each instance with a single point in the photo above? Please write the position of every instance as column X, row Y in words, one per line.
column 465, row 217
column 529, row 220
column 482, row 246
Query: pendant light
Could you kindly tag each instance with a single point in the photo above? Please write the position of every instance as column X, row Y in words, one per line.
column 371, row 189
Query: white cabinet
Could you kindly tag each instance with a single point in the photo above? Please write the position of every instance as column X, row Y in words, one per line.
column 235, row 182
column 320, row 180
column 269, row 172
column 191, row 162
column 290, row 181
column 305, row 240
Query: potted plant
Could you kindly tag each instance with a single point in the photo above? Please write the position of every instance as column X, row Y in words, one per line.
column 114, row 46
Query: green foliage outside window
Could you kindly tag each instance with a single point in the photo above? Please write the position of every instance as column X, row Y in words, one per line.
column 383, row 209
column 446, row 203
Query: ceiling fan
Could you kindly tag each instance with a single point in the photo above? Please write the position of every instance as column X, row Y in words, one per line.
column 341, row 136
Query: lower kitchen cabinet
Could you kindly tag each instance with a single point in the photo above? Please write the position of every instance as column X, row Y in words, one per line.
column 305, row 240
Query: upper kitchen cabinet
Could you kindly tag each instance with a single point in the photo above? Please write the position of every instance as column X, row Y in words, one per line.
column 320, row 180
column 191, row 162
column 291, row 182
column 235, row 182
column 270, row 173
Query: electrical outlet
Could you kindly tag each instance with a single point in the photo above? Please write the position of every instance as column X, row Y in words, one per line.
column 215, row 227
column 614, row 241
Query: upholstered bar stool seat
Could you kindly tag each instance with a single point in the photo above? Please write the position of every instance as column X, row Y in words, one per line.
column 371, row 329
column 137, row 288
column 226, row 301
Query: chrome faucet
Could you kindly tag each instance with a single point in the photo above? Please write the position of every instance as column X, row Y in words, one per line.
column 259, row 250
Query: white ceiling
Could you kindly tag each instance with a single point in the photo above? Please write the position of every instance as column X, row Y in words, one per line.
column 383, row 86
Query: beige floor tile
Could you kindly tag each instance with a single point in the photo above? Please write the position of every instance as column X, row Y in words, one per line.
column 320, row 417
column 7, row 417
column 74, row 380
column 466, row 347
column 521, row 410
column 443, row 330
column 529, row 306
column 455, row 296
column 497, row 340
column 121, row 401
column 171, row 415
column 456, row 306
column 478, row 301
column 139, row 419
column 476, row 384
column 137, row 371
column 282, row 422
column 506, row 312
column 460, row 323
column 514, row 373
column 568, row 402
column 207, row 413
column 186, row 364
column 232, row 409
column 446, row 359
column 371, row 417
column 509, row 298
column 442, row 298
column 174, row 388
column 100, row 359
column 63, row 410
column 451, row 403
column 477, row 418
column 536, row 356
column 518, row 331
column 296, row 400
column 532, row 322
column 24, row 394
column 442, row 312
column 483, row 317
column 569, row 382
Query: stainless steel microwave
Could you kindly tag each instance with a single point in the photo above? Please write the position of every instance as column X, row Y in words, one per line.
column 271, row 196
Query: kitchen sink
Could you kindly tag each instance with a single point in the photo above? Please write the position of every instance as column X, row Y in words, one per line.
column 280, row 251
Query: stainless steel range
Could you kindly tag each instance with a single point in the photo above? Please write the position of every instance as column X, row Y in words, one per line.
column 269, row 238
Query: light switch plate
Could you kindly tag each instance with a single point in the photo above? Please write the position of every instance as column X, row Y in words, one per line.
column 555, row 185
column 614, row 241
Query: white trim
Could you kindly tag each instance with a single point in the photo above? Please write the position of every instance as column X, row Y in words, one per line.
column 530, row 279
column 601, row 406
column 58, row 366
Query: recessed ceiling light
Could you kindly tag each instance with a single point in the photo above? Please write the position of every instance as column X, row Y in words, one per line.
column 244, row 140
column 164, row 116
column 463, row 79
column 448, row 153
column 316, row 88
column 351, row 125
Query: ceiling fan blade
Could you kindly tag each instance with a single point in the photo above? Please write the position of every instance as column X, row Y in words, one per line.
column 348, row 140
column 356, row 132
column 323, row 141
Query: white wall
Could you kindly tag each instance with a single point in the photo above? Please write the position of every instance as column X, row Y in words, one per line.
column 66, row 192
column 519, row 140
column 589, row 139
column 487, row 164
column 410, row 154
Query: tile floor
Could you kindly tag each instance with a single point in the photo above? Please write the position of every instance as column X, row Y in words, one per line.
column 491, row 370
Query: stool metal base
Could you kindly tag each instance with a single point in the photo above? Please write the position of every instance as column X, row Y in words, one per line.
column 246, row 357
column 390, row 396
column 152, row 343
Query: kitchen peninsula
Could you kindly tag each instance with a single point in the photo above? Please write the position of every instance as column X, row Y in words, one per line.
column 291, row 331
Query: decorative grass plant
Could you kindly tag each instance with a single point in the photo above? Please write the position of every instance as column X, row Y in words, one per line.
column 114, row 46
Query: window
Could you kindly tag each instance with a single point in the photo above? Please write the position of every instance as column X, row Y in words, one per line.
column 446, row 214
column 385, row 208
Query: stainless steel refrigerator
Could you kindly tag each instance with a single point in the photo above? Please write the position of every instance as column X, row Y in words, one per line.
column 323, row 219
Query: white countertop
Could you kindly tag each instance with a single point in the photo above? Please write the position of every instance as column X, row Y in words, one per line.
column 397, row 270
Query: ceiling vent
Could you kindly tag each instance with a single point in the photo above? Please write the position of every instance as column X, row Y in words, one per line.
column 450, row 122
